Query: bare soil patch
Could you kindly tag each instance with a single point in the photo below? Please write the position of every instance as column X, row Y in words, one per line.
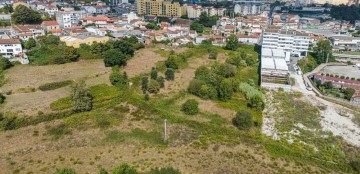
column 142, row 62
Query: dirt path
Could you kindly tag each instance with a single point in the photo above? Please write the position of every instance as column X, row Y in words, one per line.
column 142, row 62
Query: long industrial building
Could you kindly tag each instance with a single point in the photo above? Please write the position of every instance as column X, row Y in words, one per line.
column 274, row 69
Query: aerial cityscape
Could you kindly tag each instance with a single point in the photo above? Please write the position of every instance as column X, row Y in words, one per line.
column 179, row 87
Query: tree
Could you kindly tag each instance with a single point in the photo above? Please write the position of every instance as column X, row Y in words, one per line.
column 225, row 90
column 166, row 170
column 199, row 28
column 98, row 48
column 153, row 73
column 152, row 26
column 322, row 49
column 154, row 86
column 161, row 81
column 119, row 79
column 65, row 171
column 124, row 169
column 232, row 43
column 243, row 120
column 81, row 97
column 114, row 57
column 25, row 15
column 171, row 62
column 257, row 102
column 190, row 107
column 103, row 171
column 2, row 98
column 125, row 46
column 349, row 92
column 144, row 84
column 328, row 85
column 71, row 54
column 30, row 43
column 5, row 63
column 170, row 74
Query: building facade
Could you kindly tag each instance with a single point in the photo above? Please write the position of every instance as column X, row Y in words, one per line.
column 10, row 47
column 194, row 11
column 159, row 8
column 68, row 19
column 294, row 42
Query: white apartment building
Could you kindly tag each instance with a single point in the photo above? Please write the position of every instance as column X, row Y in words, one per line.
column 10, row 47
column 68, row 19
column 247, row 9
column 51, row 10
column 290, row 41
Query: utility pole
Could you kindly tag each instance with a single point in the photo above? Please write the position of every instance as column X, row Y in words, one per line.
column 165, row 130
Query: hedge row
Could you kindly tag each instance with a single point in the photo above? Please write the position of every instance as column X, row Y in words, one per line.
column 54, row 85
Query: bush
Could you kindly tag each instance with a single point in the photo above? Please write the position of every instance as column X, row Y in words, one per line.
column 124, row 169
column 225, row 70
column 169, row 74
column 343, row 77
column 144, row 84
column 146, row 97
column 212, row 54
column 2, row 98
column 349, row 92
column 243, row 120
column 103, row 171
column 114, row 57
column 257, row 102
column 161, row 81
column 171, row 62
column 119, row 79
column 190, row 107
column 166, row 170
column 65, row 171
column 54, row 85
column 5, row 63
column 154, row 86
column 153, row 73
column 81, row 97
column 355, row 165
column 225, row 90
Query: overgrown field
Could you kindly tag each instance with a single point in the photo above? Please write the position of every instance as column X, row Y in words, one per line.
column 126, row 124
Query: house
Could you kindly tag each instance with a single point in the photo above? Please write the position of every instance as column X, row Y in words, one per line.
column 24, row 32
column 70, row 18
column 99, row 20
column 51, row 10
column 248, row 39
column 50, row 25
column 215, row 39
column 10, row 47
column 76, row 41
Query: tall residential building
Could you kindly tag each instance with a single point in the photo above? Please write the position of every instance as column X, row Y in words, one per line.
column 290, row 41
column 159, row 8
column 248, row 9
column 68, row 19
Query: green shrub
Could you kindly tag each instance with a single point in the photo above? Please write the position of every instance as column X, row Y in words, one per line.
column 65, row 171
column 81, row 97
column 2, row 98
column 243, row 120
column 144, row 84
column 170, row 74
column 213, row 54
column 225, row 90
column 114, row 57
column 249, row 91
column 54, row 85
column 153, row 73
column 166, row 170
column 103, row 171
column 124, row 169
column 225, row 70
column 257, row 102
column 119, row 79
column 161, row 81
column 5, row 63
column 355, row 165
column 61, row 104
column 190, row 107
column 154, row 86
column 171, row 62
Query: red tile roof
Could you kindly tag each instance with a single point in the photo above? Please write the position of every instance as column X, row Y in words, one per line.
column 336, row 79
column 10, row 41
column 50, row 23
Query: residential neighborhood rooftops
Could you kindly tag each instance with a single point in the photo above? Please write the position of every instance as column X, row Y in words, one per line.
column 50, row 23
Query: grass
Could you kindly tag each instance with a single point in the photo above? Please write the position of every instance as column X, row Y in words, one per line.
column 58, row 131
column 100, row 93
column 153, row 138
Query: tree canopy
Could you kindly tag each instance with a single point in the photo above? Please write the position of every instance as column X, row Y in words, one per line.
column 232, row 43
column 322, row 49
column 25, row 15
column 197, row 27
column 344, row 12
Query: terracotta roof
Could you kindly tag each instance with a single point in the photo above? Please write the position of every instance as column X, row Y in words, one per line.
column 55, row 31
column 336, row 79
column 97, row 18
column 10, row 41
column 98, row 6
column 230, row 27
column 50, row 23
column 51, row 6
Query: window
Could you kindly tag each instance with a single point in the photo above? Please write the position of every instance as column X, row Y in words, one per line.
column 10, row 50
column 17, row 49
